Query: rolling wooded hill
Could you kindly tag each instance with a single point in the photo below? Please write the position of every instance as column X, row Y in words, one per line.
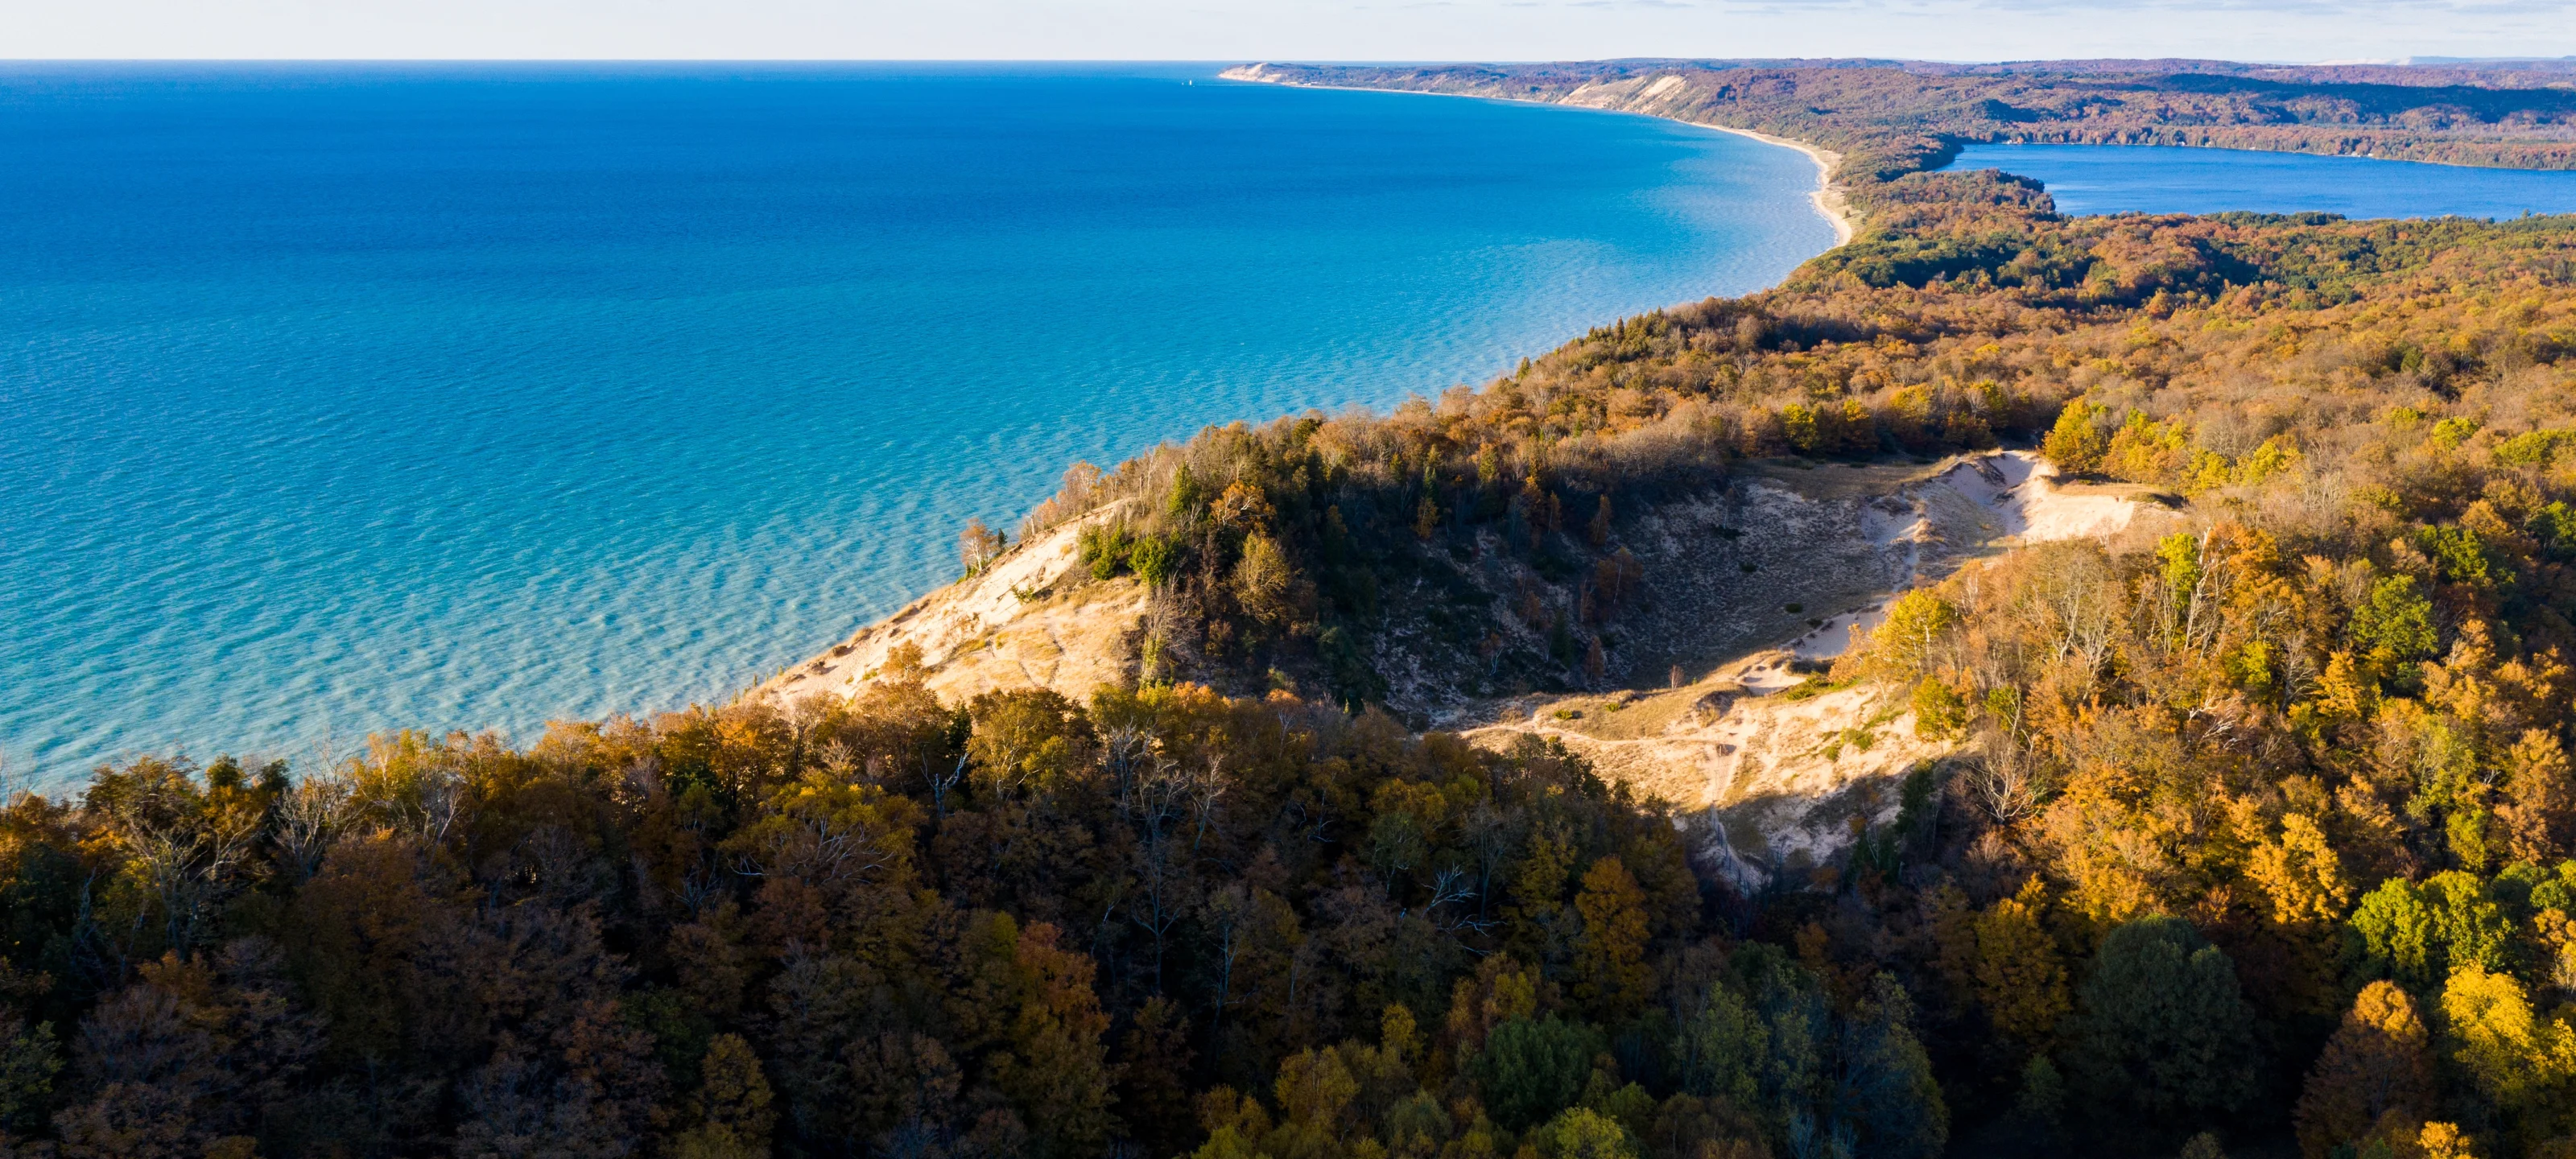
column 2258, row 838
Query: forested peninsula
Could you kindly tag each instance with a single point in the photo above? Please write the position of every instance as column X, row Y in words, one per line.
column 2247, row 832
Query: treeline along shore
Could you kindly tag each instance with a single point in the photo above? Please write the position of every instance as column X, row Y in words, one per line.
column 2249, row 837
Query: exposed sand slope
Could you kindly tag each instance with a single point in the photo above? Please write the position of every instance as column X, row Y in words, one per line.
column 1976, row 506
column 1832, row 541
column 1787, row 783
column 1017, row 624
column 1790, row 783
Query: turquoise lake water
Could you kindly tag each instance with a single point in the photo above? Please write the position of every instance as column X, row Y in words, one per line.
column 336, row 399
column 2148, row 179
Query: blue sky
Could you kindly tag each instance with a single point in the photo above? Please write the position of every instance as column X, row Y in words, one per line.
column 2301, row 30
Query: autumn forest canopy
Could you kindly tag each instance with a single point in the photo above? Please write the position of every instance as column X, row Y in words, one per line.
column 2257, row 837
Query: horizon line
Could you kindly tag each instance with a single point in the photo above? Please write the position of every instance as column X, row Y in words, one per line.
column 2345, row 62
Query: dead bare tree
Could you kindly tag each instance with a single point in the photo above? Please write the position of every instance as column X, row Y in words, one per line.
column 190, row 855
column 820, row 847
column 2077, row 605
column 942, row 780
column 2004, row 778
column 1489, row 834
column 1155, row 808
column 310, row 817
column 839, row 758
column 1124, row 751
column 1447, row 906
column 1228, row 914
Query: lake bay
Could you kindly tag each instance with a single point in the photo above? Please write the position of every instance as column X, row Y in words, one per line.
column 343, row 398
column 2149, row 179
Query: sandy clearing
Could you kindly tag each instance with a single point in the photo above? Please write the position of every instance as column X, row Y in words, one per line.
column 1787, row 784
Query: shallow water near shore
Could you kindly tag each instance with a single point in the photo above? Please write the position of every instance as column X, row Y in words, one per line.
column 338, row 399
column 2088, row 179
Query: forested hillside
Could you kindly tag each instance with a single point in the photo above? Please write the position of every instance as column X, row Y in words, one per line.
column 2259, row 840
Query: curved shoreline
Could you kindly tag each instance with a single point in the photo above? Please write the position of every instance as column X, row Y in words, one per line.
column 1006, row 625
column 1827, row 197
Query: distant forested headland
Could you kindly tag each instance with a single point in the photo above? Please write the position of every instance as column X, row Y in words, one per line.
column 1895, row 112
column 2256, row 837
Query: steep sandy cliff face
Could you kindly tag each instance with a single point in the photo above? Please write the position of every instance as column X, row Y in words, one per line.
column 1661, row 95
column 1031, row 619
column 1786, row 554
column 1742, row 591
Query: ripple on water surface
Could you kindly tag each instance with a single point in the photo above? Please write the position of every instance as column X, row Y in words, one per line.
column 336, row 399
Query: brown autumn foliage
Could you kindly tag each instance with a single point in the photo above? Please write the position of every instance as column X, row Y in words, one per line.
column 2379, row 1062
column 2303, row 762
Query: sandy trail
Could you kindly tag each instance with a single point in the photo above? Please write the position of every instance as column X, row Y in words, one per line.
column 1786, row 783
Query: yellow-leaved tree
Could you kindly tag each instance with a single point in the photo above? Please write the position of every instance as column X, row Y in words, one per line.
column 2379, row 1061
column 2021, row 980
column 1610, row 956
column 2513, row 1057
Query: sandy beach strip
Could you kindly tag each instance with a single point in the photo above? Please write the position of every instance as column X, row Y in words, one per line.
column 1827, row 197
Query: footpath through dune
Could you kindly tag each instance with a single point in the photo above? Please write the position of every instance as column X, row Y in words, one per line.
column 1785, row 769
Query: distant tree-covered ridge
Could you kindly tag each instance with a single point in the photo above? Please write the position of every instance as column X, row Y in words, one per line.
column 2258, row 839
column 1892, row 112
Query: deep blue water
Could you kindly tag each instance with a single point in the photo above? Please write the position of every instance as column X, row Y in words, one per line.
column 2149, row 179
column 335, row 399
